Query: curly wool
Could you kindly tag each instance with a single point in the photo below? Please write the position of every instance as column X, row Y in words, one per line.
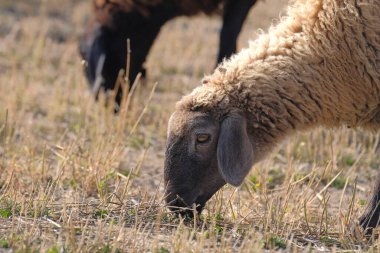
column 320, row 65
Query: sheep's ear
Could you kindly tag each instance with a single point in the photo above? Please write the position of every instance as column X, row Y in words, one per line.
column 234, row 153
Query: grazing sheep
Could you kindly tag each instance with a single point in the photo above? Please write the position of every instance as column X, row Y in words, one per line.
column 104, row 46
column 319, row 66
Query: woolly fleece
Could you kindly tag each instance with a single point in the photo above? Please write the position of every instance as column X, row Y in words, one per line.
column 320, row 65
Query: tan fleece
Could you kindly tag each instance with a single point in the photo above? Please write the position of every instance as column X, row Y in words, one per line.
column 320, row 65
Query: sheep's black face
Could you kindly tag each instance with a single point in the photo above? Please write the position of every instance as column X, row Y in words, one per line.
column 104, row 48
column 203, row 154
column 191, row 167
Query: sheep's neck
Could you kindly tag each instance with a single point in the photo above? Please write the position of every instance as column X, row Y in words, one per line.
column 282, row 94
column 277, row 96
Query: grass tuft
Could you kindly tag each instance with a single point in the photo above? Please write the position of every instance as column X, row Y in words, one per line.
column 276, row 242
column 4, row 244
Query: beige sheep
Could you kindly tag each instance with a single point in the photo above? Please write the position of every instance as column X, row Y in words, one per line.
column 319, row 66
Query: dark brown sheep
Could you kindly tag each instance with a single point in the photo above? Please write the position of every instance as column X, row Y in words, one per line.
column 103, row 46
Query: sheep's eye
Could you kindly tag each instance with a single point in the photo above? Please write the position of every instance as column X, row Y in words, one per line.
column 202, row 138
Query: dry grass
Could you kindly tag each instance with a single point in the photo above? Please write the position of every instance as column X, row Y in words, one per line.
column 76, row 178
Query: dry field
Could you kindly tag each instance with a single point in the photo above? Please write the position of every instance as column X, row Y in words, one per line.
column 76, row 178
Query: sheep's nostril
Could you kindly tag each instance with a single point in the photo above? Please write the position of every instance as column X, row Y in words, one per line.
column 199, row 208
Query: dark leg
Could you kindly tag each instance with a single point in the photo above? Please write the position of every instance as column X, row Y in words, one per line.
column 370, row 218
column 235, row 12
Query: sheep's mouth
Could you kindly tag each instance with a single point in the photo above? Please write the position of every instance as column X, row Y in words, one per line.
column 182, row 208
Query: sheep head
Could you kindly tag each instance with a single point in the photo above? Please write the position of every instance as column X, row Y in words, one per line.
column 203, row 154
column 104, row 52
column 104, row 44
